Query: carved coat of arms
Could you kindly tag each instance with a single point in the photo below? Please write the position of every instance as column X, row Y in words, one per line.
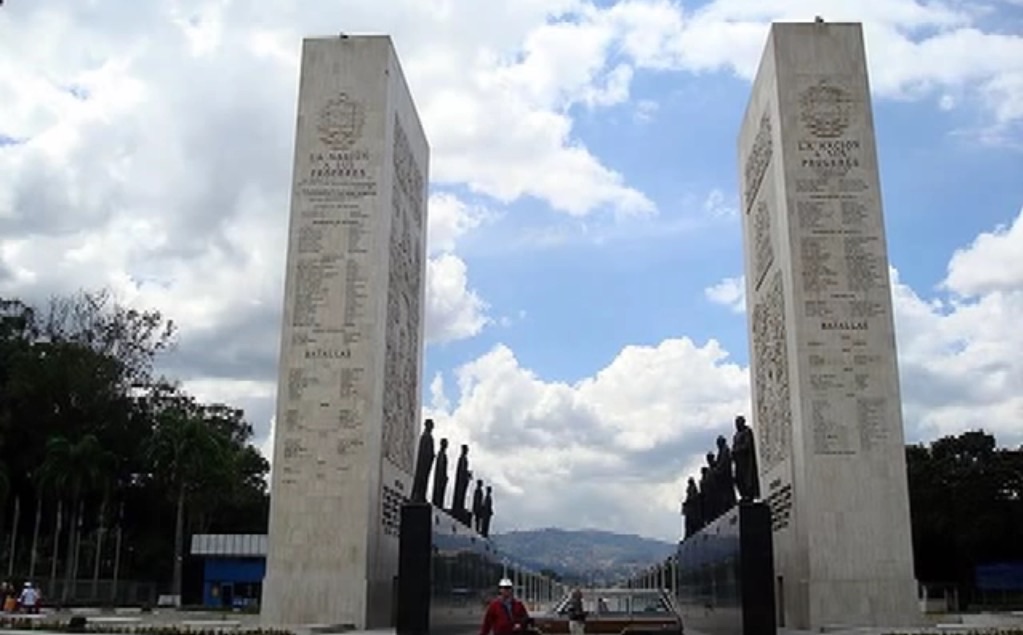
column 825, row 110
column 340, row 122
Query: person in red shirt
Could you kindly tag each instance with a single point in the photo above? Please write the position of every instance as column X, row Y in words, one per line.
column 505, row 614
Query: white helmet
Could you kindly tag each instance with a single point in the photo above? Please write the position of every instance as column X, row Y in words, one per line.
column 505, row 582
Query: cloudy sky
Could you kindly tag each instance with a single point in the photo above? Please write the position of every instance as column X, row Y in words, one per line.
column 586, row 327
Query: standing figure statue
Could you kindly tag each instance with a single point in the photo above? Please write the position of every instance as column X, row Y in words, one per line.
column 462, row 476
column 725, row 480
column 424, row 461
column 440, row 475
column 709, row 489
column 691, row 508
column 477, row 506
column 487, row 512
column 744, row 456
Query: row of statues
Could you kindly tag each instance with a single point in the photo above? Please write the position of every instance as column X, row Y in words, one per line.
column 478, row 517
column 730, row 470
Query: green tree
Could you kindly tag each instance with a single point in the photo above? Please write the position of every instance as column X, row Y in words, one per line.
column 966, row 507
column 86, row 429
column 74, row 466
column 128, row 336
column 188, row 452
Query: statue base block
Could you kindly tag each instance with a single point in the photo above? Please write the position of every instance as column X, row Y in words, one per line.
column 415, row 552
column 726, row 574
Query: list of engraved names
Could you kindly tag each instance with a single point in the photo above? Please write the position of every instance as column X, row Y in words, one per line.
column 335, row 192
column 839, row 246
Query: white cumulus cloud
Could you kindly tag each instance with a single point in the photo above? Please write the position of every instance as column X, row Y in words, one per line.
column 608, row 451
column 730, row 292
column 453, row 311
column 147, row 146
column 613, row 450
column 993, row 262
column 450, row 218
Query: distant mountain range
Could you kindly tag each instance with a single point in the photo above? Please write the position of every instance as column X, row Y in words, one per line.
column 586, row 555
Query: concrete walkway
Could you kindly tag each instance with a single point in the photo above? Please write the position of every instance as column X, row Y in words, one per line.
column 953, row 624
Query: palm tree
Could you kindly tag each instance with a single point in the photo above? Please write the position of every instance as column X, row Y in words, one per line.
column 5, row 490
column 73, row 467
column 101, row 530
column 14, row 536
column 42, row 488
column 185, row 452
column 58, row 525
column 35, row 533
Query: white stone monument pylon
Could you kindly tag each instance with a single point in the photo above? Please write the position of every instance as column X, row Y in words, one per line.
column 827, row 409
column 348, row 399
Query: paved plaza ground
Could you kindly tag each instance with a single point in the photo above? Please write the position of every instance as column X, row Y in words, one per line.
column 237, row 621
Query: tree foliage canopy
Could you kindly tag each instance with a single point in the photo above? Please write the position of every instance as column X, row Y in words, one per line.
column 966, row 502
column 92, row 443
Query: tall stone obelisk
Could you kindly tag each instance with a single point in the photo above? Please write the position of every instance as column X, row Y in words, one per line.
column 352, row 345
column 827, row 409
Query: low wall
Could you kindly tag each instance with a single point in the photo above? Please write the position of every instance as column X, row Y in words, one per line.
column 726, row 574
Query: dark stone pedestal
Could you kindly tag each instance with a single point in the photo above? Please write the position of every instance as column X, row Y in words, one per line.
column 726, row 574
column 414, row 554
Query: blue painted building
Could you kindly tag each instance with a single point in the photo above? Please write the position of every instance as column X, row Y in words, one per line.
column 999, row 584
column 1000, row 576
column 233, row 566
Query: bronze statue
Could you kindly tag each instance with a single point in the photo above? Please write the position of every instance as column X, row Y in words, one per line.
column 706, row 506
column 724, row 481
column 440, row 475
column 462, row 476
column 487, row 513
column 691, row 508
column 744, row 457
column 424, row 461
column 708, row 487
column 477, row 505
